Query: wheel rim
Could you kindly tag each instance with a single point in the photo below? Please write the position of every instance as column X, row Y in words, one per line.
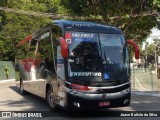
column 50, row 99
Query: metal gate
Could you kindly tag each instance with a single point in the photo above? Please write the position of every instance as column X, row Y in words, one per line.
column 143, row 79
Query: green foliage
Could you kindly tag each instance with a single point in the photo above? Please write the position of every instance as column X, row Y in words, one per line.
column 157, row 3
column 17, row 29
column 7, row 71
column 152, row 50
column 120, row 13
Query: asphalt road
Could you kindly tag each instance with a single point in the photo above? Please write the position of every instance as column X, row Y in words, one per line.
column 12, row 100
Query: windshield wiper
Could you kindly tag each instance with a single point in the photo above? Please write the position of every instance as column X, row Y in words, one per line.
column 105, row 58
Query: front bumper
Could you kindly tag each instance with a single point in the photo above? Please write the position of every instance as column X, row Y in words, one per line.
column 82, row 100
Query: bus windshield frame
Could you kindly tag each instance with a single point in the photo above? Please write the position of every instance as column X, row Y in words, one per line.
column 88, row 53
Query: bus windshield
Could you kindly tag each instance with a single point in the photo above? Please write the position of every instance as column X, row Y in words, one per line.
column 91, row 54
column 83, row 52
column 111, row 48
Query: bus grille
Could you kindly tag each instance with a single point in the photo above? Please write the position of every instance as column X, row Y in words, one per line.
column 113, row 90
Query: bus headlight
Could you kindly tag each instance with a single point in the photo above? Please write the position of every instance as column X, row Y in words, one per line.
column 126, row 90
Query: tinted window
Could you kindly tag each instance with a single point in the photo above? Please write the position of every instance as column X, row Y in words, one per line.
column 112, row 48
column 59, row 61
column 83, row 52
column 44, row 51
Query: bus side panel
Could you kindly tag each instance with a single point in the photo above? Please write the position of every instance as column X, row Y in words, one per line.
column 22, row 66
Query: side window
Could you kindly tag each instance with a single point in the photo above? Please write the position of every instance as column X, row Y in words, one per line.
column 56, row 45
column 31, row 49
column 56, row 33
column 124, row 55
column 44, row 51
column 59, row 61
column 22, row 51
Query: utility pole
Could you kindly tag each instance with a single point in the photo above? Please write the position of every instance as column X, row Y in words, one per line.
column 157, row 67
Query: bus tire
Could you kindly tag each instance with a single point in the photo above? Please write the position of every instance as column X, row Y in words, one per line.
column 50, row 100
column 23, row 92
column 129, row 98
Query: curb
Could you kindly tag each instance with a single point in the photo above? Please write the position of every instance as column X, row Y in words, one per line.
column 2, row 81
column 154, row 94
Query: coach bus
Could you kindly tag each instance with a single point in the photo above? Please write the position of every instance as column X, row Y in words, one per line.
column 76, row 65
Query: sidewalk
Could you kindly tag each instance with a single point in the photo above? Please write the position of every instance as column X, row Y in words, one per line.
column 8, row 80
column 146, row 93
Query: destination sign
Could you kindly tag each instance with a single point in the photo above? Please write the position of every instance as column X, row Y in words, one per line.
column 84, row 35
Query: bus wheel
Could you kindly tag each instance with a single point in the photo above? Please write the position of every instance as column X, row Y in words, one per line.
column 23, row 92
column 50, row 100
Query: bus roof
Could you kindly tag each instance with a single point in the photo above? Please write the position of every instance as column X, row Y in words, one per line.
column 86, row 26
column 79, row 26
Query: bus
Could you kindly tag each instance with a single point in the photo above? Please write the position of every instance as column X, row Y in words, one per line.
column 76, row 65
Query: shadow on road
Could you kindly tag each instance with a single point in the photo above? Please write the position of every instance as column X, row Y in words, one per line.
column 40, row 105
column 139, row 103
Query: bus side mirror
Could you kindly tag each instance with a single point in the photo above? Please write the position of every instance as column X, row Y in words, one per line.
column 64, row 47
column 136, row 47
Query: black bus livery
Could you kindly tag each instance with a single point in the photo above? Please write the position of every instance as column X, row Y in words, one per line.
column 76, row 65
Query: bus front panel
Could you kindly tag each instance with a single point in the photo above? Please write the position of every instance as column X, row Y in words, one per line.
column 98, row 69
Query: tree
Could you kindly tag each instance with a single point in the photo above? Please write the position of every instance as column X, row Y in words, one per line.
column 125, row 14
column 17, row 27
column 135, row 18
column 151, row 51
column 132, row 16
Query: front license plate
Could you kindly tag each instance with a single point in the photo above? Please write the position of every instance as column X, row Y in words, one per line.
column 106, row 103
